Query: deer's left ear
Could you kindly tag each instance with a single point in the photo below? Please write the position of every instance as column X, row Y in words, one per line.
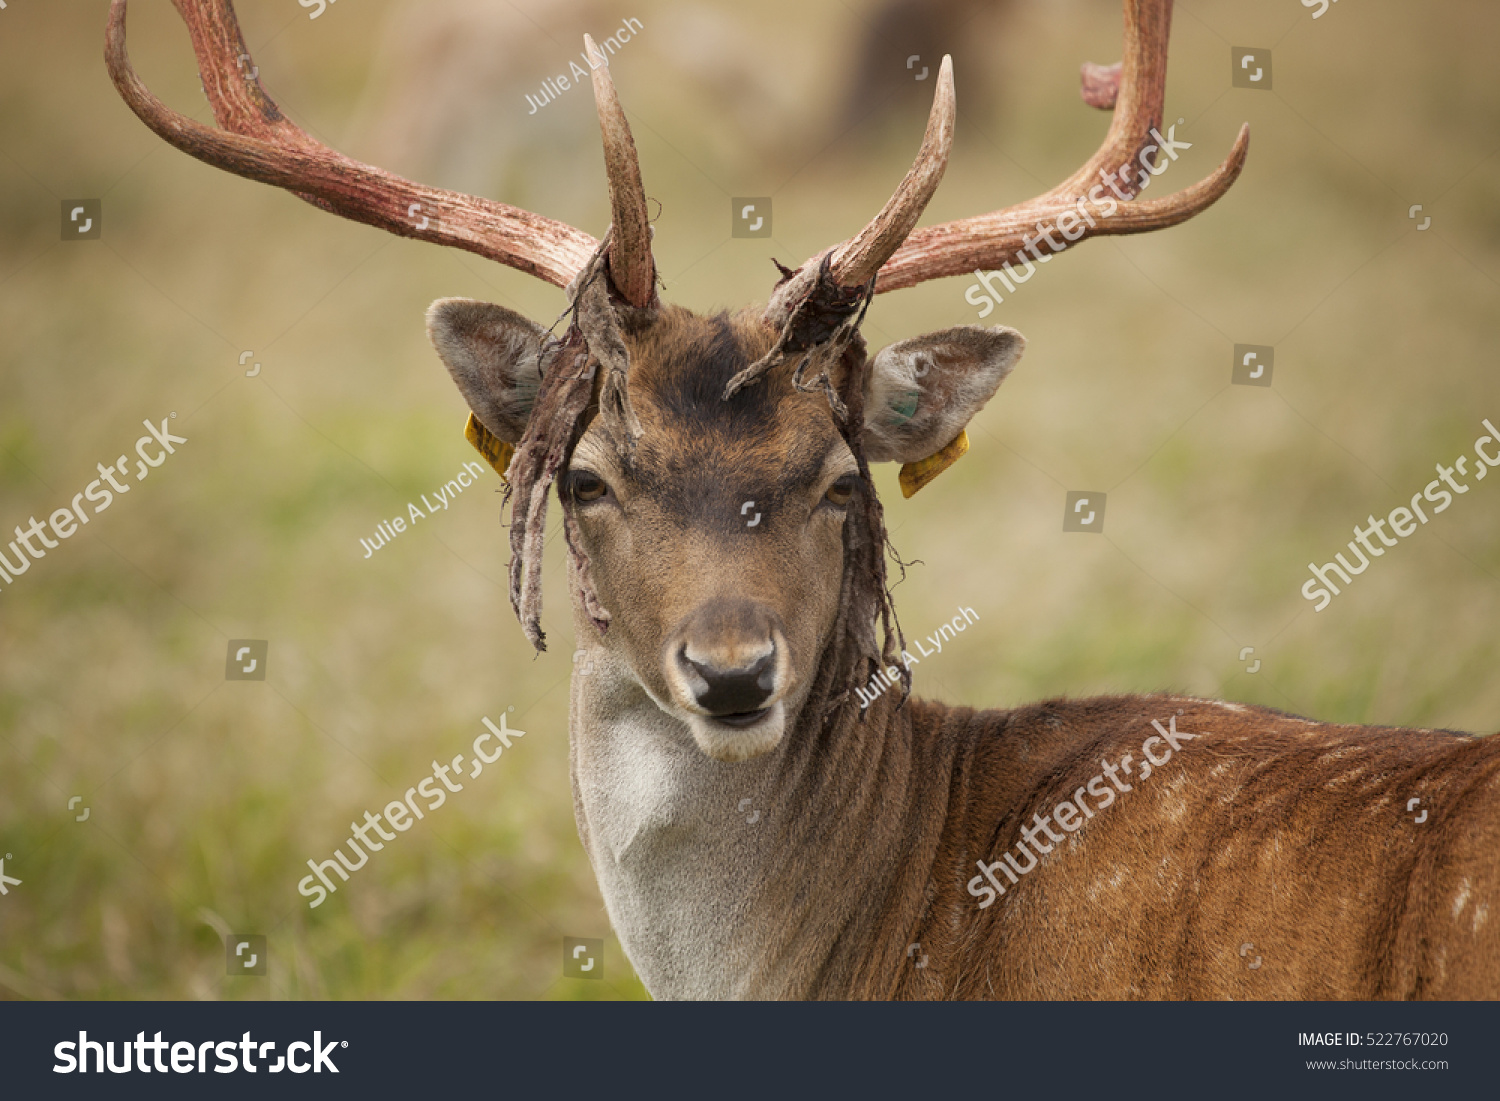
column 920, row 393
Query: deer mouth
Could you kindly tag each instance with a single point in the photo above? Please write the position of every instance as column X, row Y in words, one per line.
column 741, row 719
column 739, row 735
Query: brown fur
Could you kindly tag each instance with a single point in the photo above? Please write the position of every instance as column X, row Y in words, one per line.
column 1268, row 830
column 1266, row 839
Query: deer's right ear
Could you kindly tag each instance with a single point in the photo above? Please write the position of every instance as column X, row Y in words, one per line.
column 494, row 356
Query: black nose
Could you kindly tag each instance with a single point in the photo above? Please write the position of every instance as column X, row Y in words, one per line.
column 735, row 691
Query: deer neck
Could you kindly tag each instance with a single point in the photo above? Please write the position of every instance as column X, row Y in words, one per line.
column 752, row 879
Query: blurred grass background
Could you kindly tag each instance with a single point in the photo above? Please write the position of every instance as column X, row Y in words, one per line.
column 206, row 797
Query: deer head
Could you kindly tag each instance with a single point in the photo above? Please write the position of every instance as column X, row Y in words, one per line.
column 727, row 547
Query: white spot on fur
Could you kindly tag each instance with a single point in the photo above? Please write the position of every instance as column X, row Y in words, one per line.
column 1233, row 707
column 1098, row 887
column 1462, row 898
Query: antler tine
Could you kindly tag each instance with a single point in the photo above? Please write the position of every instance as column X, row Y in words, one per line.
column 859, row 258
column 258, row 142
column 990, row 240
column 631, row 267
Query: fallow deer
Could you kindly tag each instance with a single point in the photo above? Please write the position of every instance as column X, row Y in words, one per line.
column 725, row 654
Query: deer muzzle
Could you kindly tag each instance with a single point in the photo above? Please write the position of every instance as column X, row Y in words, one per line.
column 729, row 669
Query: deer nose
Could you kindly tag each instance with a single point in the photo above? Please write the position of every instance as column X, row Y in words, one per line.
column 725, row 660
column 729, row 694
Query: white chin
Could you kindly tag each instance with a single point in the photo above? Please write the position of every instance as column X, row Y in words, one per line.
column 728, row 743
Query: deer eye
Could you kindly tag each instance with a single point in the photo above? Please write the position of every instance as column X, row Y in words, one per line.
column 840, row 493
column 584, row 486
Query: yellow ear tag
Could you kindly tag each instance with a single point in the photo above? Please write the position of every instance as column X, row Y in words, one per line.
column 916, row 475
column 496, row 451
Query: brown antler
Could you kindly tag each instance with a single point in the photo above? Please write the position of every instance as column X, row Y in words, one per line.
column 1136, row 92
column 258, row 142
column 631, row 268
column 857, row 259
column 855, row 262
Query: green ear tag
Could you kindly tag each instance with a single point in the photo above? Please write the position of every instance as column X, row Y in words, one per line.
column 906, row 408
column 496, row 451
column 916, row 475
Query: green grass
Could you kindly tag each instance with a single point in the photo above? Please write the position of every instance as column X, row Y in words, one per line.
column 207, row 797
